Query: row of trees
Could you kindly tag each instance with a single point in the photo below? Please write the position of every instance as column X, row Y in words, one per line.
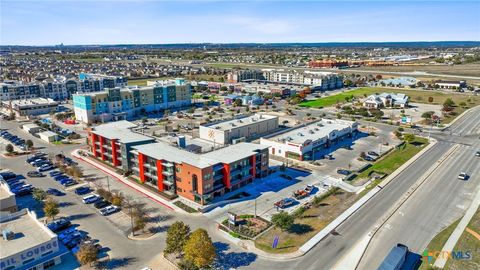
column 195, row 248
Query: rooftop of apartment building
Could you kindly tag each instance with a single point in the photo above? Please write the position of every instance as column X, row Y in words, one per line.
column 229, row 154
column 29, row 232
column 314, row 131
column 120, row 130
column 241, row 122
column 128, row 88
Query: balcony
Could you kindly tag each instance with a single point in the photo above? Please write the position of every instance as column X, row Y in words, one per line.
column 168, row 164
column 168, row 173
column 218, row 176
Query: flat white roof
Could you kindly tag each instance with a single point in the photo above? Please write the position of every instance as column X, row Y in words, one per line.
column 31, row 102
column 227, row 154
column 120, row 130
column 5, row 191
column 28, row 232
column 47, row 133
column 241, row 122
column 30, row 126
column 314, row 131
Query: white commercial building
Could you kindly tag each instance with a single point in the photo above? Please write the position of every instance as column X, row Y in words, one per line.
column 376, row 101
column 31, row 128
column 8, row 203
column 301, row 143
column 27, row 243
column 33, row 106
column 244, row 128
column 48, row 136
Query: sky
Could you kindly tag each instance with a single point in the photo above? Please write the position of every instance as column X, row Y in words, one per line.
column 159, row 22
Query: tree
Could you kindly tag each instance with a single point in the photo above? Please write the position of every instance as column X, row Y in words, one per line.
column 51, row 208
column 428, row 115
column 177, row 236
column 409, row 137
column 283, row 220
column 29, row 144
column 39, row 194
column 462, row 104
column 430, row 99
column 199, row 249
column 9, row 148
column 87, row 254
column 448, row 104
column 238, row 102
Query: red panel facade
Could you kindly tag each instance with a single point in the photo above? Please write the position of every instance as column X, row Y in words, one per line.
column 159, row 175
column 114, row 153
column 101, row 147
column 141, row 161
column 93, row 139
column 226, row 175
column 254, row 167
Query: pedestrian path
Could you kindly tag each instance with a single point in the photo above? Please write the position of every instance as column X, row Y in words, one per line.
column 159, row 199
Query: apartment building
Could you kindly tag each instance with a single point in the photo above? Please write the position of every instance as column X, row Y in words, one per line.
column 198, row 177
column 302, row 143
column 319, row 81
column 112, row 143
column 125, row 103
column 59, row 88
column 244, row 75
column 225, row 132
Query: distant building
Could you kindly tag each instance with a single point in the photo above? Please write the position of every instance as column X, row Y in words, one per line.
column 319, row 81
column 327, row 63
column 59, row 88
column 128, row 102
column 48, row 136
column 226, row 132
column 302, row 143
column 386, row 100
column 32, row 106
column 27, row 243
column 451, row 84
column 402, row 81
column 244, row 75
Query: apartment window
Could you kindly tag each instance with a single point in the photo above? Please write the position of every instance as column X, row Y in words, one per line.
column 178, row 169
column 49, row 264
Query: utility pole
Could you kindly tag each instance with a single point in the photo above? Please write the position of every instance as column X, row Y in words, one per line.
column 108, row 183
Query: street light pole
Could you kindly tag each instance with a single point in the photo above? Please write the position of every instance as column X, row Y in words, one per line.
column 108, row 183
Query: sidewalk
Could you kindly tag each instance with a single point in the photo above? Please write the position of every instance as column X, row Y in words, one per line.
column 159, row 199
column 457, row 233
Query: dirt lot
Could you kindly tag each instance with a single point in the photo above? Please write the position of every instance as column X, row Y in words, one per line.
column 465, row 70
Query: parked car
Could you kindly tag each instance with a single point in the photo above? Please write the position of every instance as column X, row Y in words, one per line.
column 101, row 204
column 369, row 158
column 477, row 154
column 35, row 174
column 60, row 177
column 54, row 173
column 284, row 203
column 54, row 191
column 23, row 191
column 45, row 167
column 463, row 176
column 300, row 194
column 69, row 183
column 82, row 190
column 58, row 225
column 309, row 189
column 7, row 175
column 66, row 233
column 108, row 210
column 372, row 153
column 343, row 172
column 90, row 198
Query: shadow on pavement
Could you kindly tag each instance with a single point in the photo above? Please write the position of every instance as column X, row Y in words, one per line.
column 79, row 216
column 231, row 260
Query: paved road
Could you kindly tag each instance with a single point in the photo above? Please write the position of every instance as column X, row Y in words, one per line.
column 332, row 248
column 437, row 203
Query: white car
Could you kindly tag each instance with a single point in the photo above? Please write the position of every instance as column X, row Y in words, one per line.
column 463, row 176
column 90, row 198
column 108, row 210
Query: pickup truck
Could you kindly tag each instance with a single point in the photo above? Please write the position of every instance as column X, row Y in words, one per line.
column 300, row 194
column 284, row 203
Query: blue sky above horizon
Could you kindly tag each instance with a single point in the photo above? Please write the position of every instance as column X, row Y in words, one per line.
column 156, row 22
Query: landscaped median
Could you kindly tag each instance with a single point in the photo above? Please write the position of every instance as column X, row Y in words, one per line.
column 311, row 219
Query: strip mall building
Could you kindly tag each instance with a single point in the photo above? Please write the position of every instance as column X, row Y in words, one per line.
column 174, row 171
